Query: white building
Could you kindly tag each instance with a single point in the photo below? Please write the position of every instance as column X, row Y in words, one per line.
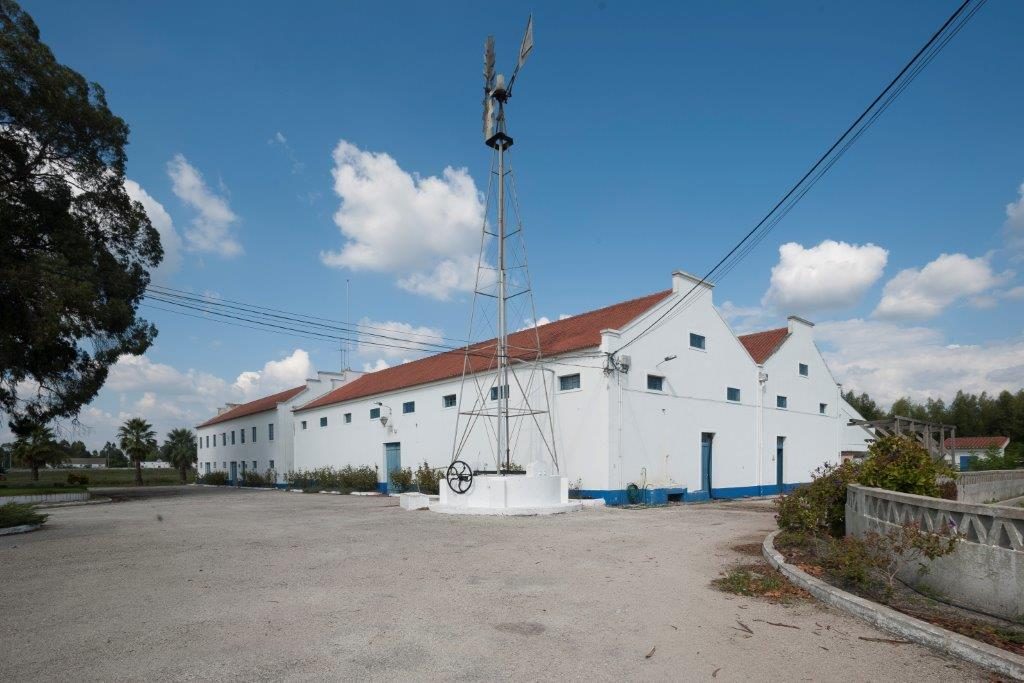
column 966, row 447
column 684, row 409
column 259, row 435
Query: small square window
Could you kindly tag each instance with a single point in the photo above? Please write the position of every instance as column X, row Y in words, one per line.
column 732, row 394
column 409, row 407
column 697, row 341
column 254, row 465
column 494, row 393
column 822, row 408
column 804, row 370
column 781, row 402
column 271, row 465
column 323, row 421
column 270, row 432
column 655, row 383
column 374, row 413
column 448, row 401
column 348, row 418
column 303, row 424
column 223, row 465
column 569, row 382
column 254, row 435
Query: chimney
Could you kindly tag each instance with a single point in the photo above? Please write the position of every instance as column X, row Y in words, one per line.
column 683, row 282
column 798, row 322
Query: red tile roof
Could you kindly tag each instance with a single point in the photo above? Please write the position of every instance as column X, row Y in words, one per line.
column 572, row 334
column 978, row 442
column 761, row 345
column 260, row 405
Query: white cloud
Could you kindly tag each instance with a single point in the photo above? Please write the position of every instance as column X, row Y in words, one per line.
column 829, row 276
column 394, row 340
column 889, row 361
column 423, row 230
column 211, row 231
column 919, row 294
column 276, row 375
column 161, row 220
column 281, row 141
column 1014, row 225
column 743, row 319
column 543, row 320
column 381, row 364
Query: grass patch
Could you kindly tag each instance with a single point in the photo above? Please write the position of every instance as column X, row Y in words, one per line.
column 121, row 476
column 758, row 580
column 19, row 514
column 38, row 490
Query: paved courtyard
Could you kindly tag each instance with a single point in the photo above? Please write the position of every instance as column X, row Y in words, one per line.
column 250, row 585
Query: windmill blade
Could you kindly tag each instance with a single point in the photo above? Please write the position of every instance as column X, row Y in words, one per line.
column 488, row 116
column 489, row 64
column 524, row 51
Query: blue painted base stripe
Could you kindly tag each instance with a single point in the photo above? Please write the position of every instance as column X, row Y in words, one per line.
column 661, row 496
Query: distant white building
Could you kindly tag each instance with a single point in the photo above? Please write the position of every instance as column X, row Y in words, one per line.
column 686, row 410
column 259, row 435
column 966, row 447
column 155, row 465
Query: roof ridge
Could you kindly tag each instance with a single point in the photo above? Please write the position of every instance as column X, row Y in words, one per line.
column 242, row 409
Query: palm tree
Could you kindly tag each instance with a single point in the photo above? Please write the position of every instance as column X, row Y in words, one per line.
column 180, row 450
column 37, row 448
column 137, row 440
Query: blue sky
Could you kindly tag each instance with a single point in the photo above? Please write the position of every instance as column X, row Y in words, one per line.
column 649, row 138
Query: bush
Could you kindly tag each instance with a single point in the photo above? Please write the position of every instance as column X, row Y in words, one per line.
column 819, row 506
column 19, row 514
column 401, row 479
column 346, row 479
column 77, row 479
column 360, row 478
column 897, row 463
column 254, row 478
column 215, row 478
column 993, row 460
column 428, row 479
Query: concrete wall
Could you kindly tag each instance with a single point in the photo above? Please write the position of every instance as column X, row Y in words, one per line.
column 986, row 571
column 46, row 498
column 988, row 487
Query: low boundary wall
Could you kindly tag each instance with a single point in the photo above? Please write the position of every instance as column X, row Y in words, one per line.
column 46, row 498
column 986, row 571
column 990, row 486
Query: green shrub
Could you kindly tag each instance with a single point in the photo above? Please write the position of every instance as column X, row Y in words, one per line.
column 819, row 506
column 401, row 479
column 255, row 479
column 346, row 479
column 993, row 460
column 428, row 479
column 77, row 479
column 19, row 514
column 360, row 478
column 897, row 463
column 215, row 478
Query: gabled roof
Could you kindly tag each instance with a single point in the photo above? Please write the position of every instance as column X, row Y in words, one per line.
column 761, row 345
column 260, row 405
column 581, row 331
column 977, row 442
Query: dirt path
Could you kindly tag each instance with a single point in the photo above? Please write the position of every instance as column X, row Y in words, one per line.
column 271, row 585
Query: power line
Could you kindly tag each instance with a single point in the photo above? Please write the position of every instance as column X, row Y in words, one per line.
column 896, row 86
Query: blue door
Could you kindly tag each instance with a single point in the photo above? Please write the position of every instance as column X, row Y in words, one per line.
column 780, row 451
column 234, row 473
column 706, row 439
column 392, row 461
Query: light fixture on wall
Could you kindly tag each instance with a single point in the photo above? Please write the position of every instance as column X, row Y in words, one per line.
column 667, row 359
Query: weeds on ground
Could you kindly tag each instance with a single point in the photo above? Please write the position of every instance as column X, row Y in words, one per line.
column 758, row 580
column 19, row 514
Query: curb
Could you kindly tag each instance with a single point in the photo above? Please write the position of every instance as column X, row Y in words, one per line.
column 98, row 500
column 890, row 620
column 20, row 529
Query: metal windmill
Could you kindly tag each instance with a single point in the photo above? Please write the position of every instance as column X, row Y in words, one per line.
column 508, row 383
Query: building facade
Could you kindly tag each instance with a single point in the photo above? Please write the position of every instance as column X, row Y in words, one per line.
column 259, row 435
column 966, row 447
column 684, row 409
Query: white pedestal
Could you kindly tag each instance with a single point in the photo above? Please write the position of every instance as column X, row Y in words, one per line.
column 414, row 501
column 514, row 494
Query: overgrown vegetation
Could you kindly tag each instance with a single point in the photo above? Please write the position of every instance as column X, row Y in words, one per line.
column 75, row 479
column 428, row 479
column 19, row 514
column 758, row 580
column 346, row 479
column 1011, row 458
column 401, row 479
column 97, row 477
column 215, row 478
column 253, row 478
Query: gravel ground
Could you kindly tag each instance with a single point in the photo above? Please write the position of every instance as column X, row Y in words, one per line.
column 227, row 585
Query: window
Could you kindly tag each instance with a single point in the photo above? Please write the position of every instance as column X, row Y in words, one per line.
column 241, row 433
column 223, row 465
column 781, row 402
column 494, row 392
column 270, row 432
column 323, row 421
column 732, row 394
column 200, row 442
column 214, row 440
column 348, row 418
column 303, row 424
column 207, row 468
column 569, row 382
column 697, row 341
column 655, row 383
column 224, row 439
column 822, row 408
column 374, row 413
column 803, row 370
column 271, row 465
column 409, row 407
column 254, row 435
column 208, row 441
column 232, row 437
column 448, row 401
